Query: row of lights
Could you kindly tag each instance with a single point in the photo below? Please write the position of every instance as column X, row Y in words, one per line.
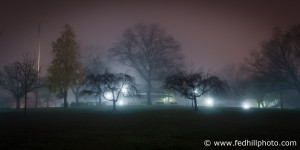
column 210, row 102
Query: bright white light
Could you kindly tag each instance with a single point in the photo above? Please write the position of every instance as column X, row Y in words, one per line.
column 209, row 102
column 121, row 103
column 124, row 90
column 196, row 91
column 246, row 105
column 108, row 95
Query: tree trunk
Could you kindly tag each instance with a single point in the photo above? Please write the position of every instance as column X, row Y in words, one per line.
column 25, row 103
column 18, row 104
column 195, row 103
column 65, row 99
column 100, row 101
column 47, row 103
column 114, row 105
column 149, row 102
column 281, row 99
column 168, row 98
column 258, row 104
column 36, row 98
column 77, row 99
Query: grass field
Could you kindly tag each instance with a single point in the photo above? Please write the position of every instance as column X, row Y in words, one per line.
column 142, row 127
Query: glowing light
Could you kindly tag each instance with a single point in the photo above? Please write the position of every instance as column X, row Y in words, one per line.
column 121, row 103
column 209, row 102
column 246, row 105
column 124, row 90
column 108, row 95
column 196, row 91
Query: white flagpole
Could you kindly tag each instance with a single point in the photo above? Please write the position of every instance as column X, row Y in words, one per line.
column 39, row 56
column 38, row 67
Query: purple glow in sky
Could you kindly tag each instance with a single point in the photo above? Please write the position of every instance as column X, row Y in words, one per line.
column 213, row 34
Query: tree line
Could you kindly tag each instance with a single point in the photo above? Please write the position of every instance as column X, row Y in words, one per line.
column 274, row 68
column 155, row 56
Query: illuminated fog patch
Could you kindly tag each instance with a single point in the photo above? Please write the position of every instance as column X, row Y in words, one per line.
column 246, row 105
column 209, row 102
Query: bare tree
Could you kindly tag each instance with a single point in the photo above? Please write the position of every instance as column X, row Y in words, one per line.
column 76, row 89
column 28, row 76
column 235, row 77
column 150, row 51
column 193, row 85
column 278, row 60
column 45, row 94
column 10, row 81
column 111, row 86
column 93, row 61
column 257, row 88
column 115, row 85
column 93, row 86
column 93, row 66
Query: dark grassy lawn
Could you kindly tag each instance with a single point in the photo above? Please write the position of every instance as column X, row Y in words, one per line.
column 143, row 127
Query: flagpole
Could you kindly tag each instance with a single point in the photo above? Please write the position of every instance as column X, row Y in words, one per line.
column 39, row 56
column 38, row 67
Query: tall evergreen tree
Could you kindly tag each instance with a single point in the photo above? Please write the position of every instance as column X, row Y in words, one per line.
column 65, row 70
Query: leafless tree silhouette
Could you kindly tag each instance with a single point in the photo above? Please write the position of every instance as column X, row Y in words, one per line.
column 193, row 85
column 28, row 74
column 10, row 81
column 278, row 60
column 150, row 51
column 111, row 86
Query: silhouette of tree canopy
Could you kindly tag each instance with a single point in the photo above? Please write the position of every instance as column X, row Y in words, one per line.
column 93, row 86
column 10, row 81
column 45, row 95
column 93, row 66
column 150, row 51
column 278, row 59
column 93, row 61
column 29, row 76
column 76, row 90
column 19, row 79
column 259, row 88
column 111, row 86
column 193, row 85
column 65, row 70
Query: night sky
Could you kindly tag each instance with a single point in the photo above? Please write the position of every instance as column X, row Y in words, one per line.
column 213, row 34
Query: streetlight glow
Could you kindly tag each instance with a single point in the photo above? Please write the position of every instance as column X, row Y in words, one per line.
column 121, row 103
column 246, row 105
column 196, row 91
column 124, row 90
column 209, row 102
column 108, row 95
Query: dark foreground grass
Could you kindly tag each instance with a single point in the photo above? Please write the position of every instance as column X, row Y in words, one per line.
column 143, row 127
